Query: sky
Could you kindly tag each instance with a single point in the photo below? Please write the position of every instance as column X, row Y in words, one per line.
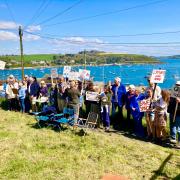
column 149, row 27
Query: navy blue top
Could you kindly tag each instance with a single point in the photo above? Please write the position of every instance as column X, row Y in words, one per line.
column 119, row 93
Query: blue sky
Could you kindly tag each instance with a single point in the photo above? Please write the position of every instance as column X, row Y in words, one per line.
column 74, row 36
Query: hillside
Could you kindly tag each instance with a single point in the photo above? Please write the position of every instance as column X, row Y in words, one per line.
column 92, row 58
column 28, row 152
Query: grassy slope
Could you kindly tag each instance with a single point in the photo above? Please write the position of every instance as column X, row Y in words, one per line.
column 35, row 57
column 30, row 153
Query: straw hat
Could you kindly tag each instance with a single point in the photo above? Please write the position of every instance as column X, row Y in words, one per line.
column 178, row 83
column 132, row 87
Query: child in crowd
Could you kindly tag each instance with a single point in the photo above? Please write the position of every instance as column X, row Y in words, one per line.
column 21, row 96
column 105, row 106
column 160, row 121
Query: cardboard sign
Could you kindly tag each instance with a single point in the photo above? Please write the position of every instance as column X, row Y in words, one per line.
column 66, row 71
column 54, row 73
column 92, row 96
column 84, row 74
column 157, row 76
column 144, row 105
column 2, row 65
column 73, row 76
column 175, row 91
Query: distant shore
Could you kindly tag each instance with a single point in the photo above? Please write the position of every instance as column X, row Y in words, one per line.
column 76, row 65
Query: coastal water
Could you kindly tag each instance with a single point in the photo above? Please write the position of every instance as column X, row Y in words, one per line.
column 130, row 74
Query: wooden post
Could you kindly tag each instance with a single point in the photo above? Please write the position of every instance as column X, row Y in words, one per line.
column 21, row 49
column 174, row 117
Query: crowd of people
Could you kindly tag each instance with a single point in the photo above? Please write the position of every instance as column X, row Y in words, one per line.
column 30, row 95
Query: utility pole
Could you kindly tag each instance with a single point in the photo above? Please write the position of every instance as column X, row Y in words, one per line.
column 21, row 49
column 84, row 59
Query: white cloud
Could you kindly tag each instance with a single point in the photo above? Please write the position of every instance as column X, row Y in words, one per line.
column 29, row 37
column 8, row 25
column 33, row 28
column 8, row 36
column 81, row 40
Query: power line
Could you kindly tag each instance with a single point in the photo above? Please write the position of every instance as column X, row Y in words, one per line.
column 36, row 13
column 106, row 13
column 42, row 10
column 60, row 13
column 10, row 12
column 115, row 36
column 108, row 43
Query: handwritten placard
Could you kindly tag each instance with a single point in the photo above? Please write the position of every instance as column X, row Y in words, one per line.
column 84, row 74
column 144, row 105
column 158, row 76
column 92, row 96
column 66, row 71
column 54, row 73
column 2, row 65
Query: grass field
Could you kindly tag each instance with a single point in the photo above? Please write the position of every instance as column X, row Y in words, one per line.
column 31, row 153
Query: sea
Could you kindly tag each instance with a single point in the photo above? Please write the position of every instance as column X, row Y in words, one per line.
column 129, row 73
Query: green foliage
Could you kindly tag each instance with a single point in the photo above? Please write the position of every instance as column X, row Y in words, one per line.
column 92, row 58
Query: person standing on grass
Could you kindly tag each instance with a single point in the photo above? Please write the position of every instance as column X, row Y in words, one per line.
column 118, row 96
column 73, row 95
column 10, row 95
column 105, row 99
column 33, row 92
column 136, row 114
column 150, row 114
column 21, row 96
column 174, row 125
column 130, row 93
column 160, row 119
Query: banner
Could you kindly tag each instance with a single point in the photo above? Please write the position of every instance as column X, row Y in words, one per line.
column 54, row 73
column 73, row 76
column 175, row 91
column 84, row 74
column 92, row 96
column 66, row 71
column 2, row 65
column 157, row 76
column 144, row 105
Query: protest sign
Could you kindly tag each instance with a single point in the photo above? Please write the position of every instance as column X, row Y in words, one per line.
column 54, row 73
column 144, row 105
column 157, row 76
column 84, row 74
column 2, row 65
column 92, row 96
column 73, row 76
column 66, row 71
column 175, row 91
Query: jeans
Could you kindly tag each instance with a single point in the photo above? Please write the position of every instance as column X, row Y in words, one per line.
column 175, row 127
column 22, row 105
column 76, row 110
column 120, row 109
column 105, row 115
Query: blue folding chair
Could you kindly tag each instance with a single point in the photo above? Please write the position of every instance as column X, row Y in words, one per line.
column 65, row 118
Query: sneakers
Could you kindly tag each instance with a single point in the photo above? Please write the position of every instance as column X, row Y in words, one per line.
column 173, row 141
column 106, row 129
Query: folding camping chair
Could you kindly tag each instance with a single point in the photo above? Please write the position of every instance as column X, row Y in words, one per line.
column 65, row 118
column 90, row 122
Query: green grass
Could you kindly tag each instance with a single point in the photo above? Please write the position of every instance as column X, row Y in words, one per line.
column 31, row 153
column 34, row 57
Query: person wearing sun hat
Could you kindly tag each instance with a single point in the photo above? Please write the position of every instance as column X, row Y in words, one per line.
column 175, row 125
